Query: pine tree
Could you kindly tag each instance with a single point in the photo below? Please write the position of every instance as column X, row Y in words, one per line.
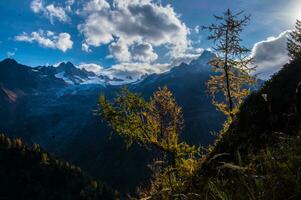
column 232, row 64
column 294, row 42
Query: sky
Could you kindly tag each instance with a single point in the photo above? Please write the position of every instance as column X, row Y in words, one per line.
column 141, row 36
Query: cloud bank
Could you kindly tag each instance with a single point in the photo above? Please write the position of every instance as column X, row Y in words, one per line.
column 132, row 29
column 48, row 39
column 135, row 32
column 91, row 67
column 142, row 36
column 270, row 55
column 134, row 71
column 51, row 11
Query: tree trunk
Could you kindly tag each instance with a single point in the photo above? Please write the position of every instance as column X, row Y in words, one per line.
column 226, row 68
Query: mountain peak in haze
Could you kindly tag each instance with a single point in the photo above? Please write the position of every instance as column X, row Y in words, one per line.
column 72, row 74
column 204, row 58
column 9, row 61
column 199, row 65
column 63, row 66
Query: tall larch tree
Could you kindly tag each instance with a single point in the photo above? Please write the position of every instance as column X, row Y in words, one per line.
column 294, row 42
column 232, row 64
column 155, row 124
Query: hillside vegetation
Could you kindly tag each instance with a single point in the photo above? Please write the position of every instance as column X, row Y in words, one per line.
column 31, row 173
column 258, row 157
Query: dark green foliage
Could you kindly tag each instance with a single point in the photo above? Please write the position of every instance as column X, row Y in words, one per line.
column 31, row 173
column 272, row 173
column 293, row 43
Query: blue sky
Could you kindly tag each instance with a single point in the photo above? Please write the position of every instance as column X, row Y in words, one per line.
column 118, row 32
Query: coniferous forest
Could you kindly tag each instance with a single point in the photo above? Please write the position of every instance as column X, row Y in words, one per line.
column 213, row 128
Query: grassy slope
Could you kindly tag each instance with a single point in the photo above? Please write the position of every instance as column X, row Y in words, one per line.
column 259, row 156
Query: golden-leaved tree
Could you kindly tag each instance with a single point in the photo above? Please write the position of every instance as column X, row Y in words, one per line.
column 154, row 124
column 228, row 85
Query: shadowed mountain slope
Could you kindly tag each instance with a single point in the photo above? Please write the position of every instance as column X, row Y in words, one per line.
column 31, row 173
column 60, row 117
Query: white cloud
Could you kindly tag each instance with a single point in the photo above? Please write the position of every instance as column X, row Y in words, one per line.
column 130, row 27
column 36, row 6
column 49, row 33
column 10, row 54
column 48, row 39
column 91, row 67
column 270, row 55
column 197, row 29
column 57, row 64
column 136, row 32
column 54, row 12
column 85, row 48
column 120, row 51
column 188, row 56
column 126, row 71
column 143, row 52
column 69, row 4
column 134, row 71
column 95, row 5
column 51, row 11
column 64, row 42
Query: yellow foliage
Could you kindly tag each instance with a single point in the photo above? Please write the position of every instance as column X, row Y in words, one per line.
column 44, row 159
column 154, row 124
column 231, row 66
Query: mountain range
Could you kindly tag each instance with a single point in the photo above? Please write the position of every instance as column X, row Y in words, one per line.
column 73, row 75
column 55, row 107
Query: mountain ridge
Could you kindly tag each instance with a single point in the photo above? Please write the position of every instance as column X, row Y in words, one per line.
column 62, row 120
column 74, row 75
